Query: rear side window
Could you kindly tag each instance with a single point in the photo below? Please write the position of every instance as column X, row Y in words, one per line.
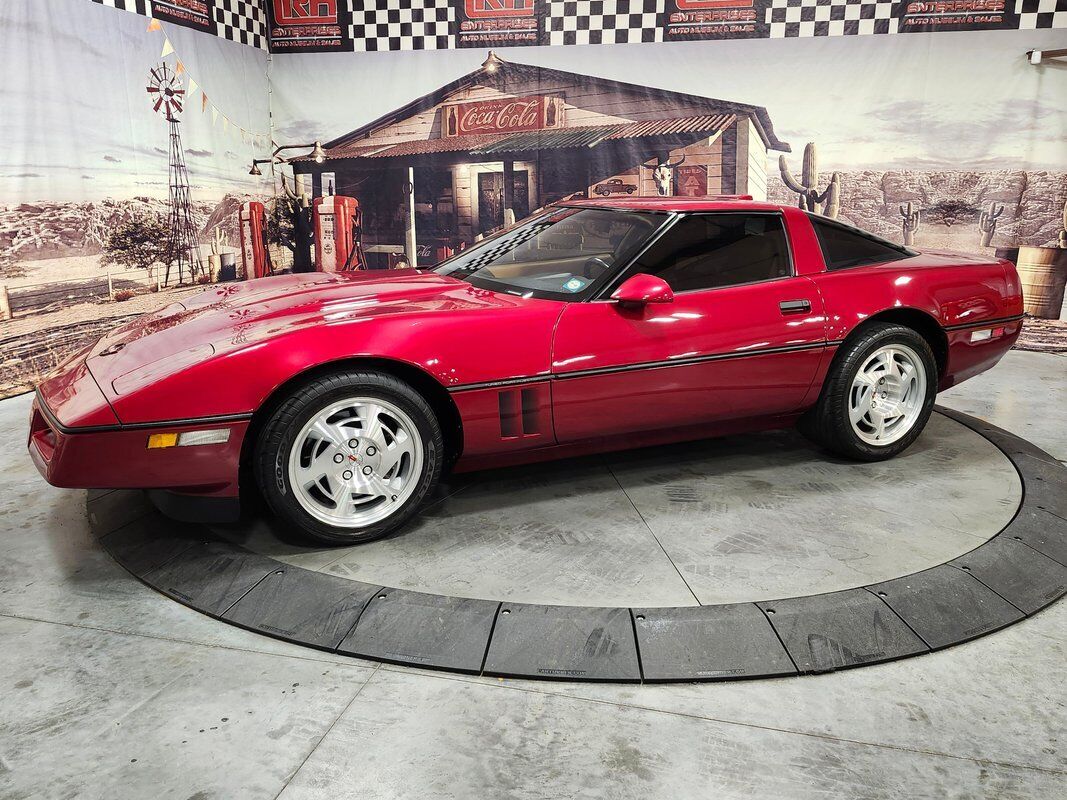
column 707, row 251
column 844, row 246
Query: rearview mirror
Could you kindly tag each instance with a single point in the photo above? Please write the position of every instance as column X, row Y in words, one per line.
column 641, row 289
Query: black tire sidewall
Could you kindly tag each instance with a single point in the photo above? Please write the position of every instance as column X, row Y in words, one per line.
column 276, row 440
column 833, row 428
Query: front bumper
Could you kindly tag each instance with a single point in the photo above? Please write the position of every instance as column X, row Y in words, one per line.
column 117, row 456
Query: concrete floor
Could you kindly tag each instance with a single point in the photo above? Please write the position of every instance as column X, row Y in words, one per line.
column 110, row 690
column 730, row 520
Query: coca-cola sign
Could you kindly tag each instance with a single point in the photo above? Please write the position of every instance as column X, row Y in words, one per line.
column 507, row 114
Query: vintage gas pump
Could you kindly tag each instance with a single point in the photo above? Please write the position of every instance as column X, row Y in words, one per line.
column 255, row 258
column 338, row 234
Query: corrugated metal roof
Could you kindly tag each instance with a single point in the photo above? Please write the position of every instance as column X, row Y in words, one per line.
column 550, row 139
column 594, row 135
column 490, row 143
column 450, row 144
column 346, row 151
column 664, row 127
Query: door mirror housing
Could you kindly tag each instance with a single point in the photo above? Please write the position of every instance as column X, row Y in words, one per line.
column 641, row 289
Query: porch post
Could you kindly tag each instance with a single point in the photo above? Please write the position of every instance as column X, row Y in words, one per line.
column 509, row 188
column 410, row 243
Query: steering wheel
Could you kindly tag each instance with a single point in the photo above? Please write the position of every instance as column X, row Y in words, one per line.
column 594, row 267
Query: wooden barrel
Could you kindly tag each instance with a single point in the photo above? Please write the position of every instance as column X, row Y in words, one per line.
column 1043, row 272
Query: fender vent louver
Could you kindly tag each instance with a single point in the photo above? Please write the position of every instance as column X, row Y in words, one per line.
column 519, row 413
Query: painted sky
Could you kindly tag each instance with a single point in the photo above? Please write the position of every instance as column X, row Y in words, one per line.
column 76, row 123
column 914, row 101
column 75, row 120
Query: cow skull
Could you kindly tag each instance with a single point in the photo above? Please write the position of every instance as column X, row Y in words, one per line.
column 663, row 172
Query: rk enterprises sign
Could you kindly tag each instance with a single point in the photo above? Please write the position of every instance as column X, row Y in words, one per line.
column 506, row 115
column 307, row 25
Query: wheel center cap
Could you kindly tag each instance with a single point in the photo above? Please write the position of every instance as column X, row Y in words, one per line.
column 353, row 458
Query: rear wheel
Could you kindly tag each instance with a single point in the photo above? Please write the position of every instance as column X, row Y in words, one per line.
column 349, row 457
column 878, row 396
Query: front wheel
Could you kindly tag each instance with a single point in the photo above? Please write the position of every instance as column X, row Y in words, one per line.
column 878, row 396
column 349, row 457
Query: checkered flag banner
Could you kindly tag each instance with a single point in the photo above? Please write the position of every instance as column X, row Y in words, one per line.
column 1041, row 14
column 792, row 18
column 603, row 21
column 136, row 6
column 242, row 21
column 385, row 25
column 402, row 25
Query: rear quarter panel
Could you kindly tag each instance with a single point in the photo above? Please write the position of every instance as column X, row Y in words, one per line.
column 959, row 292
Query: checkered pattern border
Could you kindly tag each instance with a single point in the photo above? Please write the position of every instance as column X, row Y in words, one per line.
column 243, row 21
column 792, row 18
column 136, row 6
column 603, row 21
column 383, row 25
column 402, row 25
column 1041, row 14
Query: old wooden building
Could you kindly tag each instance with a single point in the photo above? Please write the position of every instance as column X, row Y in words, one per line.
column 516, row 136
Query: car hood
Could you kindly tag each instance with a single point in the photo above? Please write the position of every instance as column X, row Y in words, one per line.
column 237, row 315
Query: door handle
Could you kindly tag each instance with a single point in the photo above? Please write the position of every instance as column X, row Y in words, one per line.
column 795, row 306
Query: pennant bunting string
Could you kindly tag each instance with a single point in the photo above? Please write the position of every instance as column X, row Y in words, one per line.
column 257, row 139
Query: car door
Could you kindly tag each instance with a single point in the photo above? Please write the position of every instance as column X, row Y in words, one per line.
column 742, row 338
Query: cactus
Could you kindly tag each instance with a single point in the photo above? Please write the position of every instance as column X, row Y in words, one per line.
column 1063, row 232
column 833, row 197
column 987, row 223
column 808, row 186
column 218, row 239
column 910, row 223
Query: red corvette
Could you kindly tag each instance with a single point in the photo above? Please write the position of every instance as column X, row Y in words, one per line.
column 591, row 326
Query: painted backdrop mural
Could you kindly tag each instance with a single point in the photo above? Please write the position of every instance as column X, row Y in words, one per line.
column 130, row 141
column 952, row 142
column 99, row 109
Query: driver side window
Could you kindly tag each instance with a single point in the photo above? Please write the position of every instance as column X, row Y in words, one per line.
column 708, row 251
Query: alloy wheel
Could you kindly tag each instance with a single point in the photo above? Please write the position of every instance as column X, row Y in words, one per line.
column 887, row 395
column 355, row 462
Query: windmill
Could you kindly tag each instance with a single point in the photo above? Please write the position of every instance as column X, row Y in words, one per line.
column 168, row 99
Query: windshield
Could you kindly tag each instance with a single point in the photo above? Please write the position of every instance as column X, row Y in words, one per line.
column 562, row 254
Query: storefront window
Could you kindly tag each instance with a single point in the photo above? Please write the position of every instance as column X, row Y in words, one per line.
column 562, row 254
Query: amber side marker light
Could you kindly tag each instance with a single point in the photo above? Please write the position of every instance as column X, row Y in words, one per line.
column 158, row 441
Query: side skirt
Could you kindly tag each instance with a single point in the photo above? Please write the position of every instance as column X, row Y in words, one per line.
column 615, row 444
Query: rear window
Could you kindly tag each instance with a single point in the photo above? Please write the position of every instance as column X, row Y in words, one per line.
column 844, row 246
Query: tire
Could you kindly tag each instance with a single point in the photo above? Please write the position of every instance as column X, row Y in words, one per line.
column 833, row 422
column 375, row 486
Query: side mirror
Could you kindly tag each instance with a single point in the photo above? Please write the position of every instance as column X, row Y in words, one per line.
column 641, row 289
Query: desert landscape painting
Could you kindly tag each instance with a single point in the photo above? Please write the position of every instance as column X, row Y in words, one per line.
column 85, row 208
